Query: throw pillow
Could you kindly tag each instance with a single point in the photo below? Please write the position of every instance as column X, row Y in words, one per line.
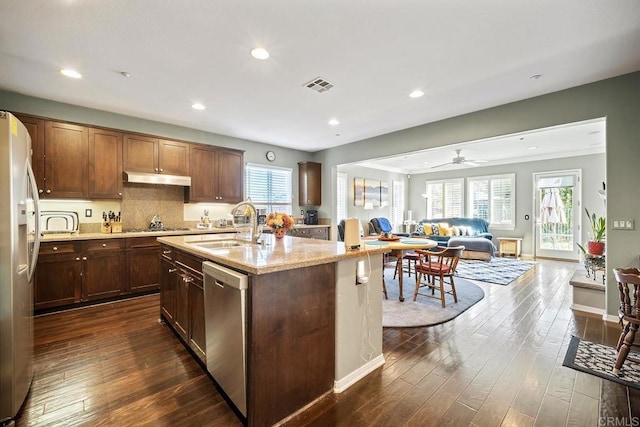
column 464, row 230
column 451, row 231
column 420, row 229
column 443, row 229
column 456, row 231
column 435, row 230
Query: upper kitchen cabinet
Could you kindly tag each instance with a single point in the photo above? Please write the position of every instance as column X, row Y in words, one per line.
column 66, row 152
column 152, row 155
column 217, row 175
column 105, row 164
column 35, row 127
column 309, row 184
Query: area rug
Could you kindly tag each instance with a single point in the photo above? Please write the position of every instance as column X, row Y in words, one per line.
column 598, row 360
column 425, row 311
column 499, row 270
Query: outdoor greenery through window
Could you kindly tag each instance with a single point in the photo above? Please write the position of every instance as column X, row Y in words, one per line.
column 493, row 198
column 444, row 198
column 269, row 187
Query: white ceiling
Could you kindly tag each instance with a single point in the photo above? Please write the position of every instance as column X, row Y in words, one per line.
column 572, row 139
column 465, row 55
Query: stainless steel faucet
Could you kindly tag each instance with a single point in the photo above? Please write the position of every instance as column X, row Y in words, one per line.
column 255, row 236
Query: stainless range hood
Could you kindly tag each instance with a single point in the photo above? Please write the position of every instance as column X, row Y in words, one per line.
column 155, row 178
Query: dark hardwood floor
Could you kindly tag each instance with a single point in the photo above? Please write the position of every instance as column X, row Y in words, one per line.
column 497, row 364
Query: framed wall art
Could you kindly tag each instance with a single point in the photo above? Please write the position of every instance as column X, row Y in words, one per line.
column 372, row 192
column 358, row 191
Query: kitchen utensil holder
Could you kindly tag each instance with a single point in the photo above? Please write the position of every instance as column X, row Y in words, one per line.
column 112, row 227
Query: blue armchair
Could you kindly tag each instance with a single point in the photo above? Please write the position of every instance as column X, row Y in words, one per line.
column 382, row 225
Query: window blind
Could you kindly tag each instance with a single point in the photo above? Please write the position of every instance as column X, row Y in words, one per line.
column 269, row 187
column 444, row 198
column 493, row 198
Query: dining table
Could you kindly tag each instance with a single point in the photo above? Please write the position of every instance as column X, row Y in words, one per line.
column 398, row 245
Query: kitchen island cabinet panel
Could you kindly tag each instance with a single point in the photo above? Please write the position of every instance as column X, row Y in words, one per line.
column 197, row 335
column 292, row 313
column 168, row 282
column 105, row 164
column 66, row 151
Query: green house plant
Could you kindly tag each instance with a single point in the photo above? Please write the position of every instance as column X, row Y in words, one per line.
column 595, row 246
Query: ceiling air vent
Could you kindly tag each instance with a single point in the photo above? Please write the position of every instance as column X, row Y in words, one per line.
column 319, row 85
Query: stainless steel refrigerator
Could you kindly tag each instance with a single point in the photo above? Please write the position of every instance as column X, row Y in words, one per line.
column 19, row 245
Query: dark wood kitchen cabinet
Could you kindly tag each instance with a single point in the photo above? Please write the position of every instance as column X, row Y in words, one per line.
column 143, row 264
column 105, row 164
column 66, row 153
column 217, row 175
column 182, row 290
column 60, row 153
column 309, row 184
column 75, row 272
column 35, row 127
column 153, row 155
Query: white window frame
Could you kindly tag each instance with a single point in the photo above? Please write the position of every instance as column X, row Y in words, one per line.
column 271, row 205
column 396, row 210
column 342, row 196
column 443, row 183
column 510, row 224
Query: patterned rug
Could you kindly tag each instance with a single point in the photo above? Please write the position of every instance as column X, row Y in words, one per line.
column 424, row 311
column 499, row 270
column 598, row 360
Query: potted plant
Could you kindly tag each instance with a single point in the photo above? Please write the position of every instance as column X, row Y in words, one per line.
column 595, row 246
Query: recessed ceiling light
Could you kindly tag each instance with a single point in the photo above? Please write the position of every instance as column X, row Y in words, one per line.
column 416, row 94
column 334, row 122
column 259, row 53
column 71, row 73
column 198, row 106
column 532, row 148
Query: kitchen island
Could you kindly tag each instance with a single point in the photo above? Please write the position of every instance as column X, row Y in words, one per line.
column 311, row 329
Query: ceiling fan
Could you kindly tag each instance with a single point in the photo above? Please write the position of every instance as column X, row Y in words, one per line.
column 459, row 160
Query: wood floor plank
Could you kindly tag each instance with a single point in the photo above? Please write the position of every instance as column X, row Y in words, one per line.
column 498, row 363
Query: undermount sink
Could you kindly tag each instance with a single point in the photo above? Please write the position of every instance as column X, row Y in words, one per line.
column 220, row 244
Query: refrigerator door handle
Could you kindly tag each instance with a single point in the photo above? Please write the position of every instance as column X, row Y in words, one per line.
column 36, row 205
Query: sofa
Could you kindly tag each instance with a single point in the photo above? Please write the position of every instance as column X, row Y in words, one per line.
column 457, row 227
column 472, row 233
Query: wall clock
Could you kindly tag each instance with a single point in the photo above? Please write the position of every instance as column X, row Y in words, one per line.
column 271, row 156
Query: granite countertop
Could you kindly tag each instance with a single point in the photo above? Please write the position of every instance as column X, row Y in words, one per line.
column 275, row 255
column 58, row 237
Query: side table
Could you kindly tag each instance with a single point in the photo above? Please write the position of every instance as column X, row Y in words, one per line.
column 510, row 246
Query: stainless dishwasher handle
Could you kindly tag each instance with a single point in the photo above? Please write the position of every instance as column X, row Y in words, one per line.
column 220, row 284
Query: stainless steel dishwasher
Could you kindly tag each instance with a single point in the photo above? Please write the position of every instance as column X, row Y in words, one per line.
column 225, row 324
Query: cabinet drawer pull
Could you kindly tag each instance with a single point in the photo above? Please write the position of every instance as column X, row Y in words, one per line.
column 172, row 270
column 166, row 252
column 84, row 258
column 161, row 170
column 48, row 191
column 187, row 279
column 40, row 191
column 55, row 248
column 119, row 194
column 155, row 169
column 77, row 258
column 104, row 245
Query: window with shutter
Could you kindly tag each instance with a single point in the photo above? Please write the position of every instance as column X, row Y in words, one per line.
column 397, row 205
column 269, row 187
column 444, row 198
column 493, row 198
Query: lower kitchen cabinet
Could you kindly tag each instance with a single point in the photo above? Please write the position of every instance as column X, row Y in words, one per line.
column 320, row 233
column 143, row 264
column 182, row 299
column 74, row 272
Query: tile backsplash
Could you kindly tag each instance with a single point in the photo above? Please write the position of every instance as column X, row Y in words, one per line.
column 140, row 202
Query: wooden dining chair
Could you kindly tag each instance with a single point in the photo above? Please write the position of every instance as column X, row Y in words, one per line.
column 435, row 266
column 410, row 257
column 629, row 313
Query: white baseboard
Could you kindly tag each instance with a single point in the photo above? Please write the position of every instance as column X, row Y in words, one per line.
column 610, row 318
column 344, row 383
column 589, row 309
